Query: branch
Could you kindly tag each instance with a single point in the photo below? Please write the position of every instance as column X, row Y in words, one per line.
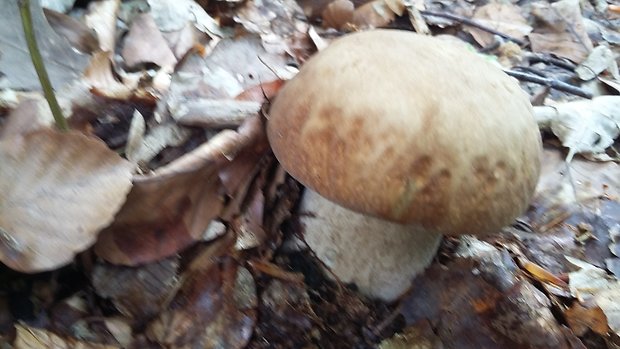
column 555, row 84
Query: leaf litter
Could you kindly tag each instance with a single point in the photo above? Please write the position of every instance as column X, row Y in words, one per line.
column 192, row 238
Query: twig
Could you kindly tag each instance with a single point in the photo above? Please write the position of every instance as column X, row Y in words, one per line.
column 472, row 23
column 555, row 84
column 37, row 61
column 534, row 58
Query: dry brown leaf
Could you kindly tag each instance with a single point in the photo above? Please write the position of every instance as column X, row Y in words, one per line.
column 541, row 274
column 170, row 209
column 99, row 75
column 262, row 92
column 30, row 114
column 593, row 284
column 581, row 318
column 146, row 44
column 587, row 180
column 374, row 14
column 58, row 191
column 101, row 18
column 137, row 292
column 420, row 336
column 213, row 309
column 76, row 32
column 338, row 14
column 506, row 18
column 561, row 30
column 481, row 301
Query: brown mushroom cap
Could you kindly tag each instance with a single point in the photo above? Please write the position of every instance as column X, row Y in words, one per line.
column 409, row 128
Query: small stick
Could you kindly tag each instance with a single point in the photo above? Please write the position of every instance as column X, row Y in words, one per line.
column 555, row 84
column 551, row 60
column 472, row 23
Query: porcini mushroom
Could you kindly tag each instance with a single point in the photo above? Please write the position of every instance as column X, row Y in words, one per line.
column 409, row 129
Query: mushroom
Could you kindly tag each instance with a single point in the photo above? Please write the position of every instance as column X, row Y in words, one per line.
column 411, row 130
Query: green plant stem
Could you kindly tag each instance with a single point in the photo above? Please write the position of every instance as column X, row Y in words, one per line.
column 37, row 61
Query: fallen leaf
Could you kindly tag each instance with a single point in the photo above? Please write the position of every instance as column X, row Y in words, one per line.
column 584, row 126
column 214, row 308
column 579, row 181
column 338, row 14
column 286, row 312
column 155, row 140
column 581, row 318
column 101, row 18
column 33, row 338
column 419, row 336
column 600, row 59
column 374, row 14
column 63, row 63
column 562, row 30
column 100, row 75
column 76, row 32
column 29, row 115
column 542, row 274
column 145, row 44
column 173, row 16
column 593, row 284
column 137, row 292
column 480, row 301
column 169, row 209
column 58, row 191
column 277, row 22
column 505, row 18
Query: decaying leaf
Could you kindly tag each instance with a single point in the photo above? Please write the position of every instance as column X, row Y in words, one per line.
column 63, row 63
column 145, row 44
column 157, row 139
column 99, row 75
column 338, row 13
column 479, row 301
column 504, row 17
column 29, row 115
column 579, row 181
column 593, row 284
column 584, row 126
column 101, row 18
column 580, row 318
column 58, row 191
column 168, row 210
column 419, row 336
column 374, row 14
column 214, row 308
column 77, row 33
column 34, row 338
column 561, row 30
column 600, row 59
column 137, row 292
column 173, row 16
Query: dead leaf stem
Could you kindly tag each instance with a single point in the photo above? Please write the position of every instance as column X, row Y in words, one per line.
column 39, row 66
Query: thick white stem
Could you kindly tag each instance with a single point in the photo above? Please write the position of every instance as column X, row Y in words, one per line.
column 379, row 256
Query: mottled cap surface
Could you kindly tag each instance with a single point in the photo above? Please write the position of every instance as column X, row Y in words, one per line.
column 409, row 128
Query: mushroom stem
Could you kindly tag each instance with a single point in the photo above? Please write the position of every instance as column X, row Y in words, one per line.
column 378, row 256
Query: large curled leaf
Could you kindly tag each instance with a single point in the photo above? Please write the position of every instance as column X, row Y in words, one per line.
column 57, row 191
